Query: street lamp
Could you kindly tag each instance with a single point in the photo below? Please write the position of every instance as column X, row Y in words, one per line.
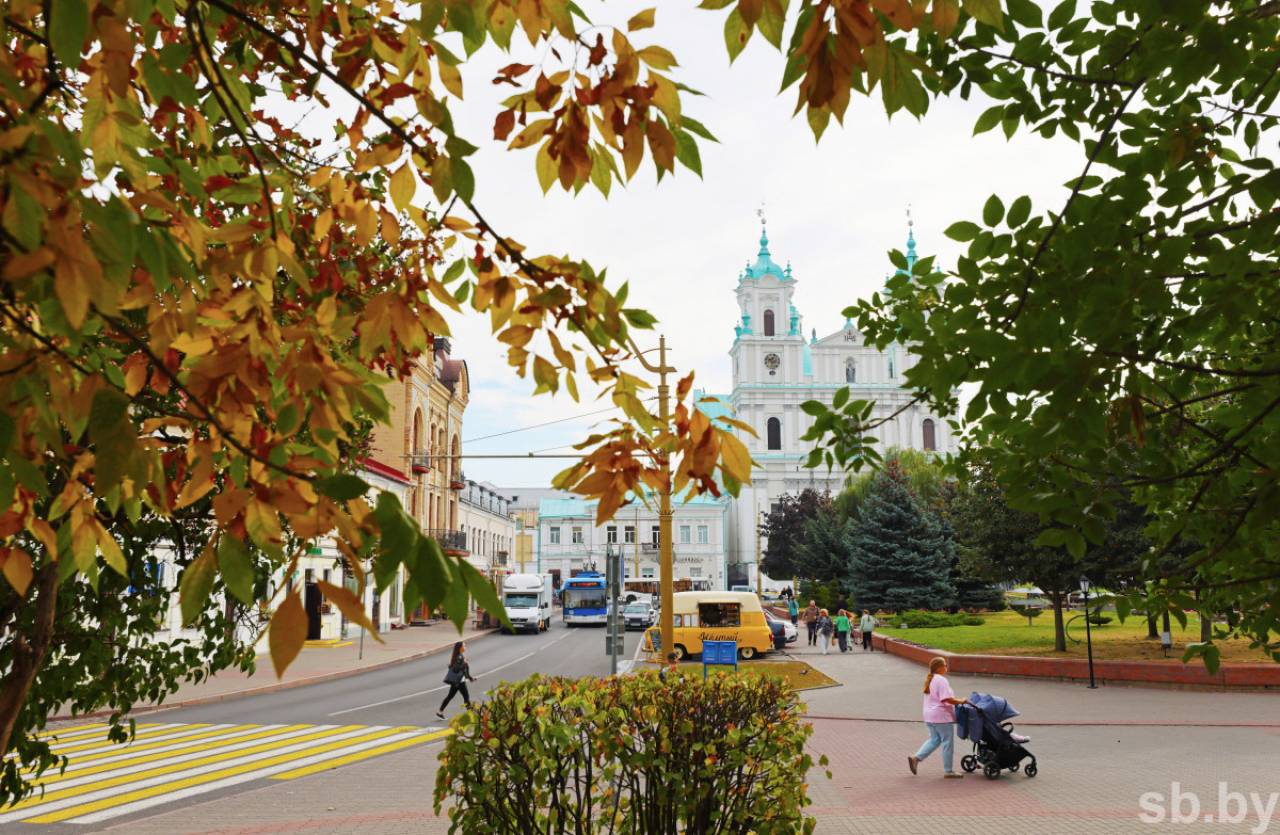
column 1084, row 587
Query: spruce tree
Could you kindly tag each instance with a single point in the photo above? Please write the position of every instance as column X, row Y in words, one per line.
column 901, row 553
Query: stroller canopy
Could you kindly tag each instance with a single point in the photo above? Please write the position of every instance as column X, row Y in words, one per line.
column 994, row 707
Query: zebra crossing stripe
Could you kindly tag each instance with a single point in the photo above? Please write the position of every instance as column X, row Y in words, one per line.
column 119, row 793
column 184, row 789
column 104, row 744
column 195, row 755
column 362, row 755
column 92, row 763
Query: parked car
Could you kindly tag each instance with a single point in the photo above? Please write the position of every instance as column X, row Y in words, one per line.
column 779, row 634
column 788, row 628
column 639, row 615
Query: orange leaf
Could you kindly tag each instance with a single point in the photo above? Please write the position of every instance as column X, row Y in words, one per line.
column 17, row 570
column 349, row 605
column 288, row 632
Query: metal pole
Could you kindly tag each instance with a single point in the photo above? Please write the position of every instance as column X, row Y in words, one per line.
column 759, row 582
column 635, row 539
column 664, row 507
column 1088, row 634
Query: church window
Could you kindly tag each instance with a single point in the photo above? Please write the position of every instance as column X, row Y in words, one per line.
column 768, row 323
column 930, row 441
column 850, row 371
column 774, row 433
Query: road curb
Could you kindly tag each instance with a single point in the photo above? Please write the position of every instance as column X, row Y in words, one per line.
column 1081, row 724
column 273, row 688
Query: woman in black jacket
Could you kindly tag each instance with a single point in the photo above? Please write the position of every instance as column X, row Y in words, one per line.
column 457, row 677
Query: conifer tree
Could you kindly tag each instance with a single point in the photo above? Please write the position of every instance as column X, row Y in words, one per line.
column 901, row 555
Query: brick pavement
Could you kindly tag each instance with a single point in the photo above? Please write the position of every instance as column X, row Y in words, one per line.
column 1090, row 775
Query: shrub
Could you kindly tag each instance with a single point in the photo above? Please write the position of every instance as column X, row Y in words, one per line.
column 917, row 619
column 1028, row 612
column 629, row 755
column 1099, row 620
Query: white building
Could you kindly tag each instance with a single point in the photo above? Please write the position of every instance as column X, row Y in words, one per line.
column 568, row 540
column 775, row 369
column 484, row 515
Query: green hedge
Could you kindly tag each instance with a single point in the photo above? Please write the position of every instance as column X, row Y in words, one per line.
column 918, row 619
column 629, row 755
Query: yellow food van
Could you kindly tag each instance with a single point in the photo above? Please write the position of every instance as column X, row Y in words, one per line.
column 716, row 616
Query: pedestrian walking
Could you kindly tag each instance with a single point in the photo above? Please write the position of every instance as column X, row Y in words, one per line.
column 843, row 627
column 866, row 626
column 940, row 716
column 457, row 677
column 825, row 628
column 793, row 608
column 811, row 622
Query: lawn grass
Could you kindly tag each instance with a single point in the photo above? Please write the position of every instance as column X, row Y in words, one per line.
column 797, row 674
column 1007, row 633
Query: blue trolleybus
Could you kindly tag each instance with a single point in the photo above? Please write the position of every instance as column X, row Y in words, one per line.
column 585, row 599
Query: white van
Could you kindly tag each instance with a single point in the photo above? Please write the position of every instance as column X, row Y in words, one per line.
column 527, row 598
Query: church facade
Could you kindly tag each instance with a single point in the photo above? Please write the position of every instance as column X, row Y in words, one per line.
column 776, row 367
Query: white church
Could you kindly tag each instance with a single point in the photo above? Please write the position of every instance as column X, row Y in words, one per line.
column 775, row 369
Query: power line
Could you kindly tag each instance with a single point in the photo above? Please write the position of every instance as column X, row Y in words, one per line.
column 547, row 423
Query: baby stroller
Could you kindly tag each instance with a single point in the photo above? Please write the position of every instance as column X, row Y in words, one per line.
column 996, row 747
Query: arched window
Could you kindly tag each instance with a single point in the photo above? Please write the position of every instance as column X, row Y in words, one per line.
column 850, row 371
column 930, row 441
column 768, row 323
column 774, row 433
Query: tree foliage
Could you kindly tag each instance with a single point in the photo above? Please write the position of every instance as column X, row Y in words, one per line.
column 1112, row 337
column 901, row 553
column 784, row 528
column 226, row 225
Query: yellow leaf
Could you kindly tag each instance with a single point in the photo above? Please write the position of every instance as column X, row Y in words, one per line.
column 349, row 605
column 641, row 20
column 734, row 457
column 191, row 345
column 451, row 78
column 325, row 222
column 21, row 266
column 546, row 167
column 43, row 531
column 657, row 57
column 403, row 185
column 17, row 570
column 288, row 632
column 532, row 132
column 111, row 552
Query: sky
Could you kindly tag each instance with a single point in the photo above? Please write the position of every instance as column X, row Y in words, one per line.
column 834, row 210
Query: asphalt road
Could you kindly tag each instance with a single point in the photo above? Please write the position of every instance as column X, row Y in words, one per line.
column 410, row 693
column 402, row 699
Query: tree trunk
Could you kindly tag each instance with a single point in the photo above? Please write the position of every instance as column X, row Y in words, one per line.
column 1152, row 633
column 1059, row 632
column 28, row 653
column 1206, row 621
column 1165, row 623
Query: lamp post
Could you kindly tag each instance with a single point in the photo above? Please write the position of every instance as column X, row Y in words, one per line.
column 666, row 623
column 1084, row 587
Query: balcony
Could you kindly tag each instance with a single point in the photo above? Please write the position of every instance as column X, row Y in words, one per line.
column 420, row 461
column 500, row 558
column 458, row 481
column 453, row 543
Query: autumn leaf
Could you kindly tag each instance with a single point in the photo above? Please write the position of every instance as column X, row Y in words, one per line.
column 18, row 571
column 287, row 633
column 349, row 605
column 641, row 20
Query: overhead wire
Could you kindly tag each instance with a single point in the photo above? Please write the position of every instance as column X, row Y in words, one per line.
column 548, row 423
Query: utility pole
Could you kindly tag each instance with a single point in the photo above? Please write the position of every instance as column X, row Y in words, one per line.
column 635, row 539
column 664, row 495
column 759, row 582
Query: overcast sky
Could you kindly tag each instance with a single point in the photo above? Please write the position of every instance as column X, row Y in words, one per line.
column 834, row 211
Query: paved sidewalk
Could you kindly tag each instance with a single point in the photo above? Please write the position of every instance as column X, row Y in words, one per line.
column 319, row 663
column 886, row 687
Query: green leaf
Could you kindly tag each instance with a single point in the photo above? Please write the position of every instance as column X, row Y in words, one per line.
column 813, row 407
column 343, row 487
column 236, row 566
column 842, row 397
column 962, row 230
column 68, row 28
column 687, row 153
column 113, row 438
column 989, row 119
column 195, row 585
column 464, row 179
column 986, row 11
column 736, row 34
column 1062, row 14
column 1019, row 212
column 992, row 211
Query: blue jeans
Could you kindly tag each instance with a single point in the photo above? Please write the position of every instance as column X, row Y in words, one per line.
column 940, row 733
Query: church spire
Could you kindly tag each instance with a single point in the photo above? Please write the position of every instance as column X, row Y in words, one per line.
column 911, row 240
column 764, row 233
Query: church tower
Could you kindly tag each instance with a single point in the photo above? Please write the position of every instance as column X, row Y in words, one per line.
column 768, row 346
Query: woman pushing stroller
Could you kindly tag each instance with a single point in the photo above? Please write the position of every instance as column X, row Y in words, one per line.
column 940, row 717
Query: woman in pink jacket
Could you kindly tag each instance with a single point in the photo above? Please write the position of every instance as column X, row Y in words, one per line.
column 940, row 715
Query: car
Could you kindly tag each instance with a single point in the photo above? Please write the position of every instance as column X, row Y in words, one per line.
column 779, row 634
column 638, row 615
column 788, row 628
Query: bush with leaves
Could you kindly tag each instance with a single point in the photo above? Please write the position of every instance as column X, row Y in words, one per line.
column 919, row 619
column 1028, row 612
column 629, row 755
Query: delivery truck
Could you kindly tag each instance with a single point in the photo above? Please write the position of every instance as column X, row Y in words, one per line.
column 527, row 598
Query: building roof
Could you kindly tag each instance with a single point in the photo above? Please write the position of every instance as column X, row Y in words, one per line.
column 764, row 264
column 529, row 498
column 574, row 508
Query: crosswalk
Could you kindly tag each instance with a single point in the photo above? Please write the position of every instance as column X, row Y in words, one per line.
column 168, row 762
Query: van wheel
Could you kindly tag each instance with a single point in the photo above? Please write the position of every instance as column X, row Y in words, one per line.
column 747, row 653
column 680, row 652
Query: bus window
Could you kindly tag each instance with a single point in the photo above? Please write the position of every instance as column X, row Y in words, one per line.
column 719, row 614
